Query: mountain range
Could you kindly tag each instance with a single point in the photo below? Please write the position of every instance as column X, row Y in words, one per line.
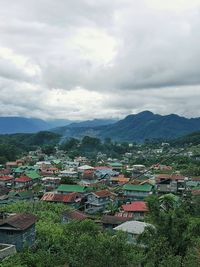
column 136, row 128
column 133, row 128
column 12, row 125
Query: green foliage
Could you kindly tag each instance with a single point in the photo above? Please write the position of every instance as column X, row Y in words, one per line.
column 78, row 244
column 48, row 149
column 13, row 146
column 174, row 232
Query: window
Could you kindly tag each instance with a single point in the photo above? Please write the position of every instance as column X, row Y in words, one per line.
column 9, row 232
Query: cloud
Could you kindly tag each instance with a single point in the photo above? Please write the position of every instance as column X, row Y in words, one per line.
column 84, row 59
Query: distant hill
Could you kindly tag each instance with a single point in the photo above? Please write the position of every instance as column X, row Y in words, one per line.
column 137, row 128
column 193, row 138
column 93, row 123
column 11, row 125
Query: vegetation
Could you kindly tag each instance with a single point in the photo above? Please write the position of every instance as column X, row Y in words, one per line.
column 174, row 240
column 13, row 146
column 78, row 244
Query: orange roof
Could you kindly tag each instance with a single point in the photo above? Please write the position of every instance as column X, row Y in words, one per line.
column 135, row 206
column 120, row 179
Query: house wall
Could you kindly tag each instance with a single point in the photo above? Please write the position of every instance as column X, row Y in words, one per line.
column 18, row 238
column 92, row 199
column 135, row 194
column 172, row 187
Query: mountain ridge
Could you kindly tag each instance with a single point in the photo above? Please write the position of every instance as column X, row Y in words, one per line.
column 137, row 128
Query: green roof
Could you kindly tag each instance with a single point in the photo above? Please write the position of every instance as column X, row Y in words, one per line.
column 56, row 161
column 27, row 168
column 116, row 164
column 33, row 175
column 193, row 183
column 22, row 194
column 72, row 188
column 142, row 188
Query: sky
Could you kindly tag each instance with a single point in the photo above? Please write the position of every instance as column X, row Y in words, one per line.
column 85, row 59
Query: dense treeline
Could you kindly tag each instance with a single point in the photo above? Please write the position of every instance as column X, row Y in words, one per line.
column 14, row 145
column 90, row 146
column 193, row 138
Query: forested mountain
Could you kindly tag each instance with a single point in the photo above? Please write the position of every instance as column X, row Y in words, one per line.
column 137, row 128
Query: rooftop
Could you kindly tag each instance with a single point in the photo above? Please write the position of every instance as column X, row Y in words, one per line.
column 20, row 221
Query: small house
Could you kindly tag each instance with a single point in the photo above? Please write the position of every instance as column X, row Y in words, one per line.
column 70, row 188
column 133, row 229
column 135, row 210
column 17, row 229
column 136, row 192
column 98, row 201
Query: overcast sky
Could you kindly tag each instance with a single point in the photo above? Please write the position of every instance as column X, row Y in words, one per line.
column 84, row 59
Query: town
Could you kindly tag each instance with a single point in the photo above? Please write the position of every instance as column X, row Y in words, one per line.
column 113, row 193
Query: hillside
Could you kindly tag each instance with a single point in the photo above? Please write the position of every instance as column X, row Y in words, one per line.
column 137, row 128
column 193, row 138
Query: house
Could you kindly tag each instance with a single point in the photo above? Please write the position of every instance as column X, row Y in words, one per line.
column 119, row 180
column 83, row 168
column 73, row 215
column 138, row 170
column 7, row 181
column 24, row 169
column 136, row 192
column 135, row 210
column 170, row 183
column 102, row 174
column 34, row 175
column 74, row 199
column 42, row 165
column 49, row 171
column 20, row 195
column 133, row 229
column 70, row 188
column 110, row 221
column 97, row 201
column 10, row 165
column 50, row 183
column 68, row 173
column 17, row 229
column 116, row 166
column 23, row 182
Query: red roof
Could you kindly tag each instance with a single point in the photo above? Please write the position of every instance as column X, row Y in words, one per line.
column 6, row 178
column 135, row 206
column 75, row 215
column 103, row 193
column 71, row 197
column 23, row 179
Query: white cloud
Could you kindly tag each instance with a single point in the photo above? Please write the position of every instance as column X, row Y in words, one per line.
column 65, row 59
